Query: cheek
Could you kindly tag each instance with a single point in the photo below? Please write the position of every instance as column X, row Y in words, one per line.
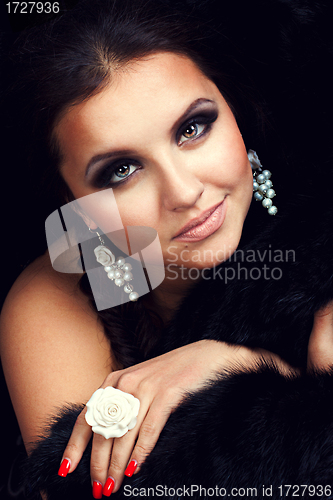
column 242, row 179
column 228, row 168
column 138, row 209
column 225, row 159
column 111, row 216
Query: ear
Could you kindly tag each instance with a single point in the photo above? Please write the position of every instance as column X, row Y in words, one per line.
column 87, row 220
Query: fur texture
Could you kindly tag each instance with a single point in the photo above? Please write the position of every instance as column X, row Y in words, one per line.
column 246, row 430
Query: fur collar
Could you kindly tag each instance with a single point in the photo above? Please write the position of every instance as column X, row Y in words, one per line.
column 281, row 277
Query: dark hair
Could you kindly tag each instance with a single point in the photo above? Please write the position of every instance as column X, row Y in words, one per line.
column 67, row 60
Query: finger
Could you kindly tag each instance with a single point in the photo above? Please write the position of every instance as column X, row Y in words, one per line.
column 320, row 350
column 149, row 433
column 324, row 312
column 76, row 445
column 99, row 463
column 322, row 329
column 122, row 450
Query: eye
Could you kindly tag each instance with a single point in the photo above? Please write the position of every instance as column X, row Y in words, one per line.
column 197, row 127
column 114, row 173
column 191, row 131
column 121, row 172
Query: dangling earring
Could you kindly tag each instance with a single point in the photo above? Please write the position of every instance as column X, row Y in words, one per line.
column 117, row 269
column 262, row 185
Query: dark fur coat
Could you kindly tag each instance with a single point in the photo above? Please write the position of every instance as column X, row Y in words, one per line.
column 253, row 429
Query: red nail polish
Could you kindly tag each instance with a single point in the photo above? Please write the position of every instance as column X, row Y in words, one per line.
column 97, row 489
column 64, row 467
column 108, row 487
column 131, row 468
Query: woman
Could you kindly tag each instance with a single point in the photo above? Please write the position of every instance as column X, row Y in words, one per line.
column 137, row 97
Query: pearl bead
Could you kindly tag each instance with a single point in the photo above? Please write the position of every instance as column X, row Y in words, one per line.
column 128, row 288
column 133, row 296
column 267, row 174
column 118, row 273
column 267, row 202
column 261, row 178
column 128, row 276
column 107, row 269
column 120, row 261
column 269, row 183
column 111, row 274
column 255, row 186
column 270, row 193
column 272, row 210
column 262, row 188
column 127, row 267
column 258, row 196
column 119, row 281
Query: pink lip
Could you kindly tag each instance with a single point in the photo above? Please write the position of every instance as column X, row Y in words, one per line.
column 201, row 227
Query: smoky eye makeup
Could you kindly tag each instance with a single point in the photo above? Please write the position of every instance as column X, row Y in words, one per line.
column 117, row 172
column 114, row 173
column 189, row 130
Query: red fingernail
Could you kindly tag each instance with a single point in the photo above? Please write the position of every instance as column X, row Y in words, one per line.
column 108, row 487
column 131, row 468
column 64, row 467
column 97, row 489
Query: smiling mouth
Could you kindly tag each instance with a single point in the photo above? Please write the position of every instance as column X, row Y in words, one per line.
column 201, row 227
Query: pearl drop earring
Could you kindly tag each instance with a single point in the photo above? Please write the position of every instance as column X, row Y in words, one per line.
column 262, row 184
column 117, row 269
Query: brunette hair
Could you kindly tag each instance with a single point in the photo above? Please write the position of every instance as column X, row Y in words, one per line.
column 72, row 57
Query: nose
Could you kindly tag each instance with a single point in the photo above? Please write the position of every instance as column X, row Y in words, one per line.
column 181, row 187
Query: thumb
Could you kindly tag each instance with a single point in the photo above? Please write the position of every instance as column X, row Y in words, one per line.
column 320, row 349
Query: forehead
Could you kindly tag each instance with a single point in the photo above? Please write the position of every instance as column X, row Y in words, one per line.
column 142, row 96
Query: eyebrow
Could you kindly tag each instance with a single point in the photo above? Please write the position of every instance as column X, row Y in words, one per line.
column 126, row 152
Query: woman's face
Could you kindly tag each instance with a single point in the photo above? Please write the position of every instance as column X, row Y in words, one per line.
column 164, row 139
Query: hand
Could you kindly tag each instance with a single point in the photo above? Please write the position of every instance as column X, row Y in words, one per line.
column 160, row 384
column 320, row 348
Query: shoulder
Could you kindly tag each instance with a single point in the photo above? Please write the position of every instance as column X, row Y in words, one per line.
column 41, row 299
column 38, row 277
column 53, row 347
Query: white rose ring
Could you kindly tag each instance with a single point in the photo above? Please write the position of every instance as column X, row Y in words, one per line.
column 111, row 412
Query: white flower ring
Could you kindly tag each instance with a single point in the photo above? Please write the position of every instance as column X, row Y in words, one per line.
column 111, row 412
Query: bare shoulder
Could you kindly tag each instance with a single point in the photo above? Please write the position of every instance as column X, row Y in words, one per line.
column 53, row 347
column 39, row 277
column 41, row 299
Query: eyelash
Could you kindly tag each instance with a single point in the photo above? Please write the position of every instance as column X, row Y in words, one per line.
column 103, row 179
column 207, row 121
